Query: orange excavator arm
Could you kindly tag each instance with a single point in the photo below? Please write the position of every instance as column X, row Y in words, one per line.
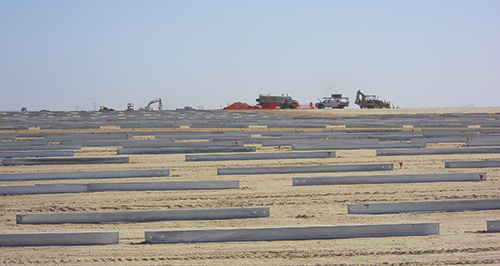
column 148, row 107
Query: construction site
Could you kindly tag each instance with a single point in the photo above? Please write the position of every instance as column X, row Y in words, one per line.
column 335, row 101
column 339, row 133
column 294, row 187
column 268, row 101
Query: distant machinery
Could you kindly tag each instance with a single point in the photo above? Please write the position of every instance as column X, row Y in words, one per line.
column 370, row 101
column 105, row 109
column 275, row 101
column 149, row 108
column 335, row 101
column 267, row 102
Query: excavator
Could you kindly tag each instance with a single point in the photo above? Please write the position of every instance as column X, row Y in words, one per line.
column 370, row 101
column 149, row 108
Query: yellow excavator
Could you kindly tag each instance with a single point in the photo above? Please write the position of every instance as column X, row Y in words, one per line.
column 370, row 101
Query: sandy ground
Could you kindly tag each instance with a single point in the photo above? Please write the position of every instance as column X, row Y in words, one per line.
column 462, row 238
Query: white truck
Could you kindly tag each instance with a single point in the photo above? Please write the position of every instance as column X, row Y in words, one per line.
column 335, row 101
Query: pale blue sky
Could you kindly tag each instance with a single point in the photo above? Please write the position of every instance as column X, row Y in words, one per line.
column 58, row 54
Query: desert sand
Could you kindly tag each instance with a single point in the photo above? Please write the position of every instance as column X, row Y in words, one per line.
column 462, row 238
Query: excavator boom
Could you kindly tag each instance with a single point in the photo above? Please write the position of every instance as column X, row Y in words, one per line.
column 370, row 101
column 148, row 107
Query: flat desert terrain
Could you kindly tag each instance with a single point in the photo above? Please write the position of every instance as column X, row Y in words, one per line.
column 462, row 239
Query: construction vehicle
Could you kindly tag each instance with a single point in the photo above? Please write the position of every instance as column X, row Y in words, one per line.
column 267, row 102
column 149, row 108
column 274, row 101
column 289, row 103
column 130, row 107
column 105, row 109
column 370, row 101
column 336, row 101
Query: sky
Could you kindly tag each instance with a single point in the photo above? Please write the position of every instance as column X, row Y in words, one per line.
column 74, row 55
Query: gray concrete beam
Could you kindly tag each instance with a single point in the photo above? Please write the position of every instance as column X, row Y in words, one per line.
column 59, row 239
column 39, row 147
column 99, row 143
column 69, row 160
column 13, row 143
column 167, row 144
column 170, row 185
column 19, row 154
column 429, row 151
column 424, row 206
column 44, row 189
column 290, row 233
column 142, row 216
column 86, row 175
column 472, row 164
column 378, row 179
column 439, row 140
column 483, row 143
column 289, row 169
column 118, row 186
column 493, row 225
column 181, row 150
column 314, row 142
column 14, row 128
column 206, row 136
column 260, row 156
column 86, row 136
column 338, row 146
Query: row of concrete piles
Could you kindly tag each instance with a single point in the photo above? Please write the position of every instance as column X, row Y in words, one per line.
column 233, row 129
column 230, row 132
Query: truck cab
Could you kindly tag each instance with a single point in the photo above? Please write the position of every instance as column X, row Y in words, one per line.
column 335, row 101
